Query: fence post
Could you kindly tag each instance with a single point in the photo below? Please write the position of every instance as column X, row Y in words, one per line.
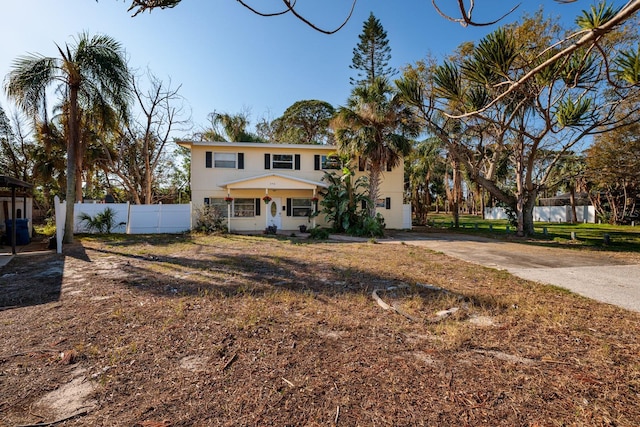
column 545, row 231
column 127, row 229
column 573, row 235
column 606, row 239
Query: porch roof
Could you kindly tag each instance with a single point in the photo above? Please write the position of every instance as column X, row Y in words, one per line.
column 273, row 181
column 9, row 182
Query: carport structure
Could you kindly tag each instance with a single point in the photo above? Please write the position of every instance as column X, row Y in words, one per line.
column 14, row 184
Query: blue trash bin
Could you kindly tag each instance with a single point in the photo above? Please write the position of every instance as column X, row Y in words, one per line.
column 22, row 231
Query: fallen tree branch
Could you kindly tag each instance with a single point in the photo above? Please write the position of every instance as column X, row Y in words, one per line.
column 230, row 361
column 386, row 306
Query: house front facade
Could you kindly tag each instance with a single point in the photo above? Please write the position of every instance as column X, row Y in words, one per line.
column 257, row 185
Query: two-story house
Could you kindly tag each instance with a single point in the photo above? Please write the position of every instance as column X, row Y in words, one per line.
column 257, row 185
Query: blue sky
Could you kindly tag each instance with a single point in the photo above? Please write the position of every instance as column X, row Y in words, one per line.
column 227, row 59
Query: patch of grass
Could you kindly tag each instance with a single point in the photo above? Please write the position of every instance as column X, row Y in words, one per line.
column 623, row 238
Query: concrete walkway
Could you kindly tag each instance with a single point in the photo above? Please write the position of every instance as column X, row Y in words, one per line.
column 600, row 276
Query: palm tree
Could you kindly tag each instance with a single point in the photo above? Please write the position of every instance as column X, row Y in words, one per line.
column 424, row 169
column 229, row 127
column 376, row 126
column 92, row 71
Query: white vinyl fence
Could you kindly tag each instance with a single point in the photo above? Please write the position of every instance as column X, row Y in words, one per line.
column 138, row 219
column 549, row 213
column 150, row 219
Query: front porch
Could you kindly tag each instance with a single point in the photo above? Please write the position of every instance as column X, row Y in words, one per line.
column 272, row 201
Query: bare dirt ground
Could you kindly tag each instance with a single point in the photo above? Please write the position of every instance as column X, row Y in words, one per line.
column 254, row 331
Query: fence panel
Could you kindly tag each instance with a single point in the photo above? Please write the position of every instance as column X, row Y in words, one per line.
column 152, row 219
column 495, row 213
column 406, row 217
column 550, row 213
column 121, row 215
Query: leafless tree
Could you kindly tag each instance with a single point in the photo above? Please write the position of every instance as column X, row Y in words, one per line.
column 139, row 155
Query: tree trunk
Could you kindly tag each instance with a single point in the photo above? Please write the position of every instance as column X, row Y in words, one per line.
column 374, row 188
column 147, row 171
column 527, row 214
column 78, row 178
column 572, row 201
column 72, row 142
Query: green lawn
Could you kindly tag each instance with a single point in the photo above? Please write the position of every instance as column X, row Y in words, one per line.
column 623, row 238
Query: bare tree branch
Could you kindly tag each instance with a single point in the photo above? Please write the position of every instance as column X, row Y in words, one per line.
column 587, row 38
column 466, row 14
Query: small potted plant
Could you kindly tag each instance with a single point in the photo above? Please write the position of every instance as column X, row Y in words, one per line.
column 228, row 199
column 266, row 199
column 303, row 228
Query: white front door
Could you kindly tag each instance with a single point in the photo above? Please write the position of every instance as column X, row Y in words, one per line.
column 274, row 213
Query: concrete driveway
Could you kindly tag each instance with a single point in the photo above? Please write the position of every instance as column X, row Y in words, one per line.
column 602, row 276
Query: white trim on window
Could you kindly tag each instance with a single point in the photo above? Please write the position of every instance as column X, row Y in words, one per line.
column 225, row 160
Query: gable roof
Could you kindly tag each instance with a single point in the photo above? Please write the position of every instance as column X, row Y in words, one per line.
column 274, row 181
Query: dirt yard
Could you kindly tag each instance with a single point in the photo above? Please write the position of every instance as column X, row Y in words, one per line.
column 251, row 331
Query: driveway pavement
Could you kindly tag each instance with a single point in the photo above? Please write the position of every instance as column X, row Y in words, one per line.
column 604, row 277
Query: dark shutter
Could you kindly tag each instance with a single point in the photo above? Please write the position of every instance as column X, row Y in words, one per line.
column 208, row 162
column 267, row 161
column 389, row 168
column 363, row 204
column 240, row 160
column 258, row 202
column 387, row 203
column 297, row 162
column 316, row 162
column 288, row 207
column 362, row 163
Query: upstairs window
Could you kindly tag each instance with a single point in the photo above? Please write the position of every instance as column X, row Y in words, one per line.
column 326, row 162
column 330, row 162
column 224, row 160
column 282, row 161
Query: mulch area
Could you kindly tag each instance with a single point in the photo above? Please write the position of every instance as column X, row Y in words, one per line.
column 255, row 331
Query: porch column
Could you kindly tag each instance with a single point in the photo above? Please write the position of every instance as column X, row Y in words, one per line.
column 315, row 209
column 229, row 214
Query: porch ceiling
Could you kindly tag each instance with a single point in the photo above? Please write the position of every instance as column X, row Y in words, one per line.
column 273, row 181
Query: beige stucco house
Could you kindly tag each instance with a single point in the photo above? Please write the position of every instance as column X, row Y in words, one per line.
column 258, row 185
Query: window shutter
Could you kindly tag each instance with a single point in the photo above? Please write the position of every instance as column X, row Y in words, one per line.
column 389, row 168
column 208, row 161
column 267, row 161
column 240, row 160
column 297, row 162
column 316, row 162
column 362, row 163
column 363, row 204
column 258, row 203
column 387, row 203
column 288, row 207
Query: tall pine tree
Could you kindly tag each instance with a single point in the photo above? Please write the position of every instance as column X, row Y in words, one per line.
column 371, row 56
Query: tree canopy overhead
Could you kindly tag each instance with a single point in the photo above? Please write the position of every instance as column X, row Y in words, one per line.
column 470, row 102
